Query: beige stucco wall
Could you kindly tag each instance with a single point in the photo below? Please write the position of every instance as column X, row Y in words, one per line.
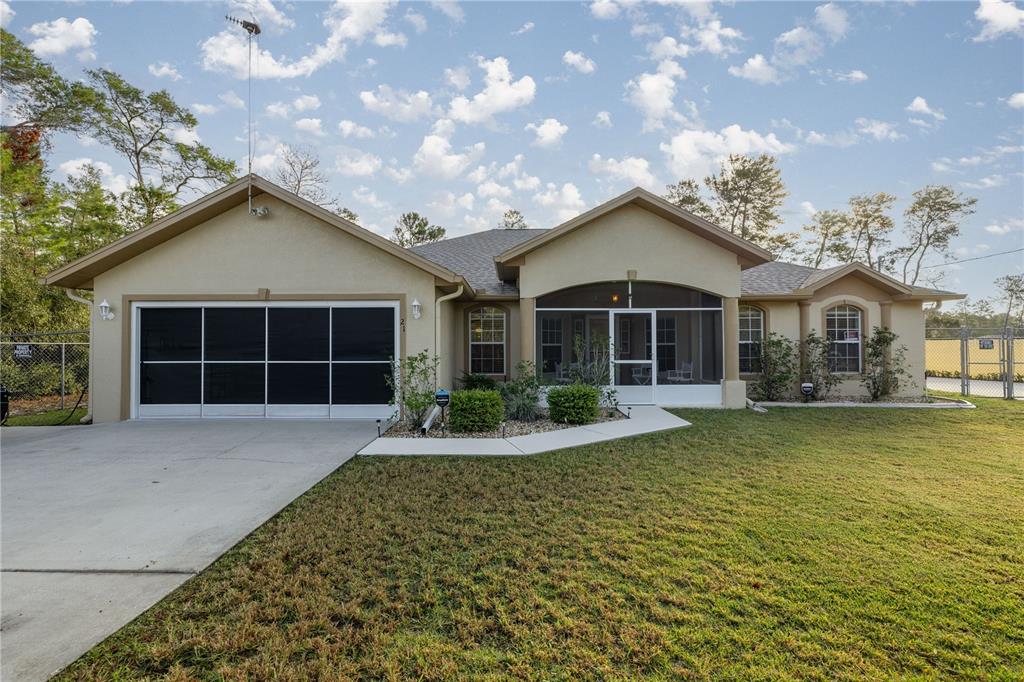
column 460, row 337
column 291, row 253
column 783, row 317
column 630, row 238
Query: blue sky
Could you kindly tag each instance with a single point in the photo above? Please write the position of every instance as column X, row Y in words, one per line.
column 462, row 110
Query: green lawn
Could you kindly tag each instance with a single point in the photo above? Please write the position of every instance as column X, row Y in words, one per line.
column 812, row 544
column 48, row 418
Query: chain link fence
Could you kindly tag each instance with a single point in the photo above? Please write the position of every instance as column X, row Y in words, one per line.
column 985, row 362
column 46, row 377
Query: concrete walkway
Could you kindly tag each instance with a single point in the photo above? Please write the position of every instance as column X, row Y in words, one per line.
column 645, row 419
column 101, row 522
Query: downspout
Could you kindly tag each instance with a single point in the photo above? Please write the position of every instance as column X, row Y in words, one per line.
column 437, row 320
column 87, row 419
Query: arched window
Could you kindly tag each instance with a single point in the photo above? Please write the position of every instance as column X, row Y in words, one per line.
column 751, row 335
column 487, row 332
column 843, row 332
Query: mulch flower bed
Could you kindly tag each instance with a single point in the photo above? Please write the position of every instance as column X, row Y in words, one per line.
column 512, row 428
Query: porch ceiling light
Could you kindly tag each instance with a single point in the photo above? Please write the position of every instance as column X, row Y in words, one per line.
column 417, row 309
column 105, row 312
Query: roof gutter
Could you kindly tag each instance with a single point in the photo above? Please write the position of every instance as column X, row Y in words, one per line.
column 437, row 318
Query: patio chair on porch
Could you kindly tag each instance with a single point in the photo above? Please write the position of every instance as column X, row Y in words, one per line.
column 642, row 376
column 683, row 375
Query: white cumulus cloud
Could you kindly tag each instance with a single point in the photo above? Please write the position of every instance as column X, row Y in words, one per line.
column 398, row 105
column 603, row 119
column 756, row 69
column 346, row 22
column 604, row 9
column 310, row 125
column 919, row 105
column 1016, row 100
column 354, row 163
column 548, row 133
column 458, row 77
column 579, row 61
column 565, row 201
column 832, row 19
column 633, row 169
column 353, row 129
column 6, row 13
column 436, row 158
column 418, row 21
column 60, row 35
column 277, row 110
column 525, row 28
column 696, row 153
column 879, row 130
column 653, row 94
column 164, row 70
column 231, row 99
column 306, row 103
column 998, row 18
column 500, row 94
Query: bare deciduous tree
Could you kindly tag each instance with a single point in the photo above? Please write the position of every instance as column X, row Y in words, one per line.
column 298, row 171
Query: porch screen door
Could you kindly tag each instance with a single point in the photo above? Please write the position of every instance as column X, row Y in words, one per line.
column 633, row 356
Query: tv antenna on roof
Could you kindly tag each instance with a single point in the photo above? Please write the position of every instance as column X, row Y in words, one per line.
column 252, row 29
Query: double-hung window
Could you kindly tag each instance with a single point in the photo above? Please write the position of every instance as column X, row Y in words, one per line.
column 551, row 343
column 751, row 335
column 843, row 332
column 487, row 341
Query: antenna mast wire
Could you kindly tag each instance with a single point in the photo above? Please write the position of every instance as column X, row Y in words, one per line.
column 253, row 29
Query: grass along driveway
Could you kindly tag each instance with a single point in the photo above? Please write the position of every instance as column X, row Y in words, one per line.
column 815, row 544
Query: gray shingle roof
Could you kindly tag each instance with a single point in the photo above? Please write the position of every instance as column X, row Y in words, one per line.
column 774, row 278
column 472, row 256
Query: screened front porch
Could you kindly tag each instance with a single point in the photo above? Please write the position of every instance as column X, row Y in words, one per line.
column 653, row 342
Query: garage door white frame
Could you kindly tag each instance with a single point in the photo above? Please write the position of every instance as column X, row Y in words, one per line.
column 264, row 411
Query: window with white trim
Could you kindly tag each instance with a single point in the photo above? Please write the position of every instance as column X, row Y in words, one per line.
column 487, row 341
column 551, row 343
column 751, row 328
column 843, row 332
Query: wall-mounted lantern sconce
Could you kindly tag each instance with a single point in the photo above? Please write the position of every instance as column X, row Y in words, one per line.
column 417, row 309
column 105, row 312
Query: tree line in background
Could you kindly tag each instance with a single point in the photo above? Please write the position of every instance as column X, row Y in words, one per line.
column 746, row 196
column 46, row 224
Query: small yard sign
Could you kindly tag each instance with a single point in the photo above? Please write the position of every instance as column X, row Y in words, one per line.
column 23, row 351
column 442, row 397
column 986, row 344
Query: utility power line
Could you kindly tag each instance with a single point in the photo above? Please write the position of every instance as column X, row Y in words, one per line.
column 968, row 260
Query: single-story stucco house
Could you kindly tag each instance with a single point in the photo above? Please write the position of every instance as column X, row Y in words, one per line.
column 275, row 307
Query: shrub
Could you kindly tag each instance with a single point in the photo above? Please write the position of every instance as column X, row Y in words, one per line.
column 779, row 369
column 884, row 365
column 475, row 410
column 592, row 368
column 412, row 382
column 34, row 380
column 816, row 368
column 573, row 404
column 473, row 382
column 522, row 394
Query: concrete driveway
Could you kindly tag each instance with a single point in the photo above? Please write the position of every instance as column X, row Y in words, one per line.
column 101, row 522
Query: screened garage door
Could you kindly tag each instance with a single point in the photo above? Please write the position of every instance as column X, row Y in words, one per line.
column 308, row 360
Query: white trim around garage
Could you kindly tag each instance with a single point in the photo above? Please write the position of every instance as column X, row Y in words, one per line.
column 255, row 410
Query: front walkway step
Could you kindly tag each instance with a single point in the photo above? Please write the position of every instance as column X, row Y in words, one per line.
column 643, row 419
